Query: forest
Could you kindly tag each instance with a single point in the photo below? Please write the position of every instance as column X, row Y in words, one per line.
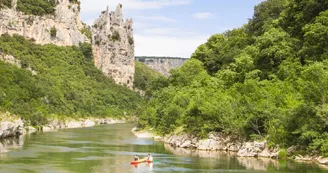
column 266, row 80
column 59, row 82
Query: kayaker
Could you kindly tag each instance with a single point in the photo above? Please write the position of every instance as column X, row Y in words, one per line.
column 149, row 158
column 136, row 158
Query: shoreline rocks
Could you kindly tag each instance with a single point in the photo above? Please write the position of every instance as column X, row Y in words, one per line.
column 11, row 126
column 69, row 124
column 226, row 143
column 146, row 134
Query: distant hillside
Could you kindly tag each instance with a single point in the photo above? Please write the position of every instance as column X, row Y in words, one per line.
column 57, row 81
column 162, row 64
column 147, row 79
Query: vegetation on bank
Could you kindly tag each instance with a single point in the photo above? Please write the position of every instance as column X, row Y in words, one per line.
column 147, row 79
column 66, row 84
column 267, row 79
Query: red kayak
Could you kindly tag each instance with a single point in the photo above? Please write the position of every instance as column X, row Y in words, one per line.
column 141, row 161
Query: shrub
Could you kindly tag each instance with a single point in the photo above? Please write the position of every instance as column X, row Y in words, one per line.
column 36, row 7
column 282, row 154
column 53, row 32
column 130, row 40
column 86, row 31
column 116, row 36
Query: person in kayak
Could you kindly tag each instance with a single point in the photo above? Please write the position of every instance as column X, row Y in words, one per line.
column 149, row 158
column 136, row 158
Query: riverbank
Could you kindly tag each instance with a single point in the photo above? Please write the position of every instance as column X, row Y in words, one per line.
column 231, row 144
column 13, row 126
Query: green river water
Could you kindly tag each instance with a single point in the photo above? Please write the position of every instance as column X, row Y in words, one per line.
column 110, row 148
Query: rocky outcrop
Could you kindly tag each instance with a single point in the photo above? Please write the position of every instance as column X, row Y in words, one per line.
column 57, row 124
column 113, row 46
column 257, row 149
column 66, row 22
column 13, row 61
column 307, row 158
column 10, row 60
column 11, row 126
column 112, row 38
column 222, row 142
column 162, row 64
column 214, row 142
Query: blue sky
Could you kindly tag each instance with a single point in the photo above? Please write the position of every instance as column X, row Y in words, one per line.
column 174, row 27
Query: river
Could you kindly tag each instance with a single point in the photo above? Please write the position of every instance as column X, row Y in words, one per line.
column 110, row 148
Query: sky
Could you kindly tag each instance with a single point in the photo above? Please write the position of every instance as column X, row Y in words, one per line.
column 174, row 27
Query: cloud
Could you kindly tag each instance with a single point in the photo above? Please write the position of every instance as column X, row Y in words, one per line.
column 202, row 16
column 92, row 6
column 167, row 45
column 166, row 31
column 156, row 18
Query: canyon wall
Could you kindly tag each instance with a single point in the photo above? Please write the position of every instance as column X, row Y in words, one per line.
column 113, row 46
column 162, row 64
column 65, row 21
column 111, row 38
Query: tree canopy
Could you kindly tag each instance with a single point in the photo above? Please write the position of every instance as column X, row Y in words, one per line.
column 265, row 80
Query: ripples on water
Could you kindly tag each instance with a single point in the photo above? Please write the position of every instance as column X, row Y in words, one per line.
column 110, row 149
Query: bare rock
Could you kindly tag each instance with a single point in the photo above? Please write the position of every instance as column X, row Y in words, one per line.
column 11, row 128
column 66, row 20
column 322, row 160
column 113, row 46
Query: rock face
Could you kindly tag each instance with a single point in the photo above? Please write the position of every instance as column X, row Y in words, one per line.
column 214, row 142
column 66, row 22
column 219, row 141
column 112, row 38
column 57, row 124
column 113, row 46
column 10, row 60
column 11, row 126
column 162, row 64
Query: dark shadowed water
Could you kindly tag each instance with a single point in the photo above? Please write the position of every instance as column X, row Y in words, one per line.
column 110, row 148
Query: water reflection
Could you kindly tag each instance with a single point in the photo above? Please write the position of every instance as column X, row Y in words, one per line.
column 258, row 163
column 11, row 143
column 197, row 153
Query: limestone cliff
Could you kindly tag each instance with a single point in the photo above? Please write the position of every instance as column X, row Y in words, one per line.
column 113, row 46
column 65, row 21
column 112, row 38
column 162, row 64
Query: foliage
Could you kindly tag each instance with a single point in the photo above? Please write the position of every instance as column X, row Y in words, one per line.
column 145, row 78
column 116, row 36
column 86, row 30
column 53, row 32
column 282, row 154
column 37, row 7
column 5, row 3
column 265, row 80
column 131, row 42
column 66, row 85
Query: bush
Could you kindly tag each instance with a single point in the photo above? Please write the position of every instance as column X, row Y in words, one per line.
column 131, row 42
column 282, row 154
column 37, row 7
column 116, row 36
column 86, row 31
column 53, row 32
